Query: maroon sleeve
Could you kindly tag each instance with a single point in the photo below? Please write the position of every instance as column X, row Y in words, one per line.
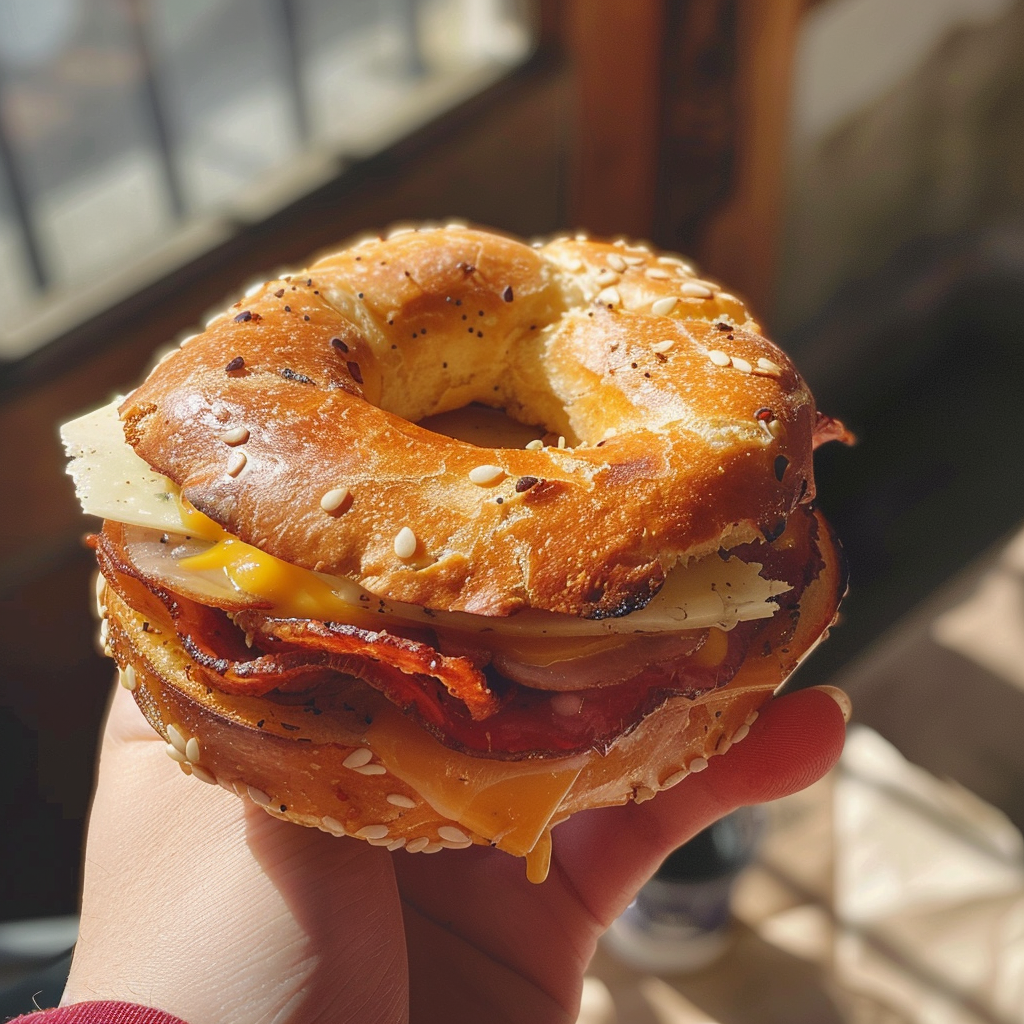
column 99, row 1013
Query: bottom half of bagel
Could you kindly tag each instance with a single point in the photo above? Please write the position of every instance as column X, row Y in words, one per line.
column 347, row 761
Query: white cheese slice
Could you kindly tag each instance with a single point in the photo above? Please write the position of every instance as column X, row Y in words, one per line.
column 114, row 483
column 111, row 481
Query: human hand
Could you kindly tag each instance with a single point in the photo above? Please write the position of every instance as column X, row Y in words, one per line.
column 203, row 905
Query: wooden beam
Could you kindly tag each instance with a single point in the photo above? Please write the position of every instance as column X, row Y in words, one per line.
column 741, row 241
column 616, row 49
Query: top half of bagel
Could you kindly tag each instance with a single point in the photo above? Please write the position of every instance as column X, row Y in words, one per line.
column 295, row 421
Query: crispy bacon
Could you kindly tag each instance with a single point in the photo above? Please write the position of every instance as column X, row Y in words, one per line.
column 460, row 677
column 827, row 428
column 466, row 707
column 298, row 651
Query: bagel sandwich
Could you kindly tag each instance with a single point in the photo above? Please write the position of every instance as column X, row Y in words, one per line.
column 450, row 536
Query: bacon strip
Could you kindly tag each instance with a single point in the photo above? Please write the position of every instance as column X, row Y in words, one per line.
column 468, row 709
column 827, row 428
column 304, row 647
column 460, row 677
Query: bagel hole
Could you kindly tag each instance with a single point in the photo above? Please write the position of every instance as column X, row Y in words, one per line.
column 486, row 427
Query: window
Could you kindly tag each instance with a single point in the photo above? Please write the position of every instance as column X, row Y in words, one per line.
column 136, row 134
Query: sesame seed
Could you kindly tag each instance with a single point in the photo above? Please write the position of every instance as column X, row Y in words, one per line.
column 432, row 848
column 397, row 844
column 609, row 297
column 698, row 764
column 675, row 778
column 752, row 717
column 561, row 441
column 453, row 834
column 236, row 435
column 405, row 543
column 333, row 825
column 524, row 483
column 372, row 832
column 383, row 841
column 535, row 445
column 655, row 274
column 235, row 364
column 615, row 261
column 718, row 357
column 244, row 317
column 662, row 307
column 633, row 261
column 203, row 775
column 127, row 678
column 741, row 364
column 606, row 277
column 740, row 734
column 334, row 499
column 694, row 290
column 643, row 794
column 192, row 749
column 484, row 476
column 185, row 767
column 339, row 344
column 257, row 796
column 663, row 346
column 775, row 429
column 174, row 754
column 236, row 463
column 582, row 236
column 400, row 800
column 417, row 844
column 507, row 294
column 768, row 366
column 358, row 757
column 371, row 769
column 176, row 738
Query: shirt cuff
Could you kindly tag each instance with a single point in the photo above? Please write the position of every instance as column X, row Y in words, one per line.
column 104, row 1012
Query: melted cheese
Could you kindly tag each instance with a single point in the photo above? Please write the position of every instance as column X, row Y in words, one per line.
column 114, row 483
column 509, row 803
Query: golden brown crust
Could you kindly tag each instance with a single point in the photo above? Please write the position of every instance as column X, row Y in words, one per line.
column 670, row 454
column 292, row 753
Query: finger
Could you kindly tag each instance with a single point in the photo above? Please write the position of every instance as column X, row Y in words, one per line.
column 606, row 855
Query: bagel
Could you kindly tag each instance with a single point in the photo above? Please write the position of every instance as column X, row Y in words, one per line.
column 332, row 596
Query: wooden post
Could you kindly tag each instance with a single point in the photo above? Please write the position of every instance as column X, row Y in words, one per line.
column 741, row 241
column 616, row 50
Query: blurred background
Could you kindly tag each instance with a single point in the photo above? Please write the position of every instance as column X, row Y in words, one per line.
column 855, row 168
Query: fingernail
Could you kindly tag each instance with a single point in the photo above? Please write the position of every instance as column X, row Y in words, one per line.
column 841, row 697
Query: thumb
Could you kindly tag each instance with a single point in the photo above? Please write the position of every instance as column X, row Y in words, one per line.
column 609, row 853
